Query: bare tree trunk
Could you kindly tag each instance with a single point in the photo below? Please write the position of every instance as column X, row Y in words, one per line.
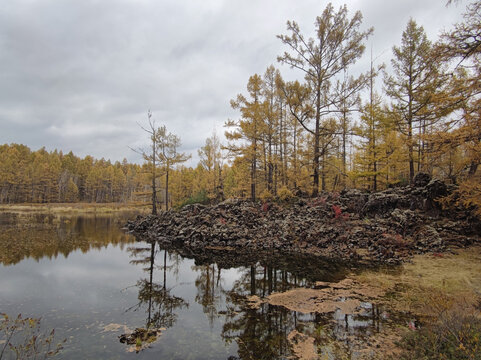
column 410, row 131
column 167, row 187
column 254, row 172
column 315, row 180
column 270, row 167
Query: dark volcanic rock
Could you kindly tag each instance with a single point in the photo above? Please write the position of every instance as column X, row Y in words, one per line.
column 353, row 200
column 381, row 203
column 436, row 189
column 421, row 179
column 384, row 227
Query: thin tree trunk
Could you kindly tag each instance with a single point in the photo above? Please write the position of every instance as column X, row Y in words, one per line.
column 167, row 187
column 315, row 180
column 154, row 190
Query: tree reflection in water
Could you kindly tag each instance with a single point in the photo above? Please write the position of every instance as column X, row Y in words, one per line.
column 39, row 235
column 259, row 333
column 262, row 333
column 160, row 305
column 209, row 290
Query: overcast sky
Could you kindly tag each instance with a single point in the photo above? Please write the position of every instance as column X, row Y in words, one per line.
column 81, row 74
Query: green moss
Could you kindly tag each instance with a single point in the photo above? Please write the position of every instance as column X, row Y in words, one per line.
column 199, row 198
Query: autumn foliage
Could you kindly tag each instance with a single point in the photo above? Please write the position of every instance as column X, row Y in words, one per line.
column 43, row 177
column 327, row 130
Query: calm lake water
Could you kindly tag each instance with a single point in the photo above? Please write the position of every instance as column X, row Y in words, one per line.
column 91, row 282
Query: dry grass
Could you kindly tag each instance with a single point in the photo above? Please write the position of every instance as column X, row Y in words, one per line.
column 74, row 207
column 451, row 273
column 443, row 291
column 456, row 276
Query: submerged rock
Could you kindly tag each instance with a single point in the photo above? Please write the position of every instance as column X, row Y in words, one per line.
column 140, row 338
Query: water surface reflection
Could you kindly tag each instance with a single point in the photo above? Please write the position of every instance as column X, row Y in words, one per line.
column 92, row 283
column 39, row 235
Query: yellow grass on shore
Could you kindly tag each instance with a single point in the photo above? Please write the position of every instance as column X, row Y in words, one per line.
column 427, row 278
column 75, row 207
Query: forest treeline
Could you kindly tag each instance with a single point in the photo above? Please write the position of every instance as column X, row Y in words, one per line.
column 335, row 127
column 45, row 177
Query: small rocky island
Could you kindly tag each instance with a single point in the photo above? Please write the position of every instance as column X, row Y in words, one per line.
column 383, row 227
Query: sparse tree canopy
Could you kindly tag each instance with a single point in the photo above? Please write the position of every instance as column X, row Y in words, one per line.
column 168, row 155
column 461, row 135
column 337, row 45
column 249, row 128
column 211, row 160
column 412, row 84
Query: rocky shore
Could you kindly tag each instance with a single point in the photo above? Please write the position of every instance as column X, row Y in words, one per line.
column 383, row 227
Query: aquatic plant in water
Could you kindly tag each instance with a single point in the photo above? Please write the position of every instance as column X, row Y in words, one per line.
column 22, row 338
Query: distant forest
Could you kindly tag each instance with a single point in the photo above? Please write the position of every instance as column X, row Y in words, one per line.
column 43, row 177
column 329, row 130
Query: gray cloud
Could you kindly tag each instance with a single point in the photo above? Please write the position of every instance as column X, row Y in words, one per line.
column 79, row 75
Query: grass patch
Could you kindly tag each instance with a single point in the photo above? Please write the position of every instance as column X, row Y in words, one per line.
column 444, row 292
column 198, row 198
column 75, row 207
column 453, row 275
column 455, row 333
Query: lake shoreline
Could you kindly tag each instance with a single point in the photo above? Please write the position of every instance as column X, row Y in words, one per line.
column 76, row 208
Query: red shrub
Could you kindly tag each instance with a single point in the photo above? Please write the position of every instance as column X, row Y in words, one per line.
column 337, row 211
column 265, row 207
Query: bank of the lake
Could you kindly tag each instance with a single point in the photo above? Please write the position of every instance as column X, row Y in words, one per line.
column 74, row 208
column 385, row 227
